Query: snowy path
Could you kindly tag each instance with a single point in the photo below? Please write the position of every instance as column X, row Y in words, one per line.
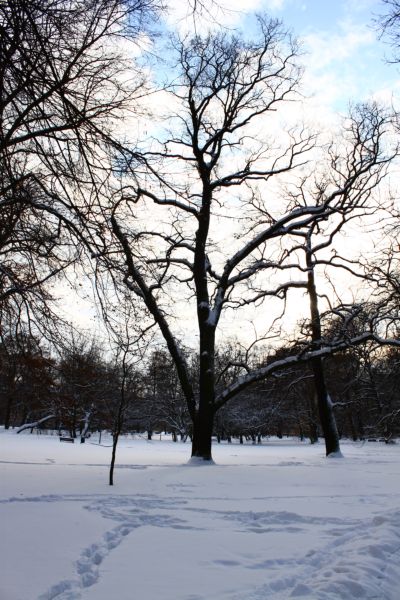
column 272, row 522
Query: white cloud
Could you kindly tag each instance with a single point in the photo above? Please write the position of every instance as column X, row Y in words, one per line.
column 337, row 68
column 325, row 49
column 215, row 13
column 357, row 6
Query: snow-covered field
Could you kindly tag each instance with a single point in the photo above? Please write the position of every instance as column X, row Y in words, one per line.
column 268, row 522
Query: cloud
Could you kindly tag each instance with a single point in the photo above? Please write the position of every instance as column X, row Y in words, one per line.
column 214, row 13
column 325, row 49
column 337, row 66
column 358, row 6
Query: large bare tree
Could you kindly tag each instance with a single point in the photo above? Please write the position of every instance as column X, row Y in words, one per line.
column 202, row 224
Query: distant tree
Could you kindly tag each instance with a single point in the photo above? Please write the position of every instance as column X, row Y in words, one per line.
column 83, row 384
column 388, row 424
column 26, row 379
column 342, row 373
column 163, row 393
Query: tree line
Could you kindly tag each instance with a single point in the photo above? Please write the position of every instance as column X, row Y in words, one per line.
column 228, row 205
column 78, row 393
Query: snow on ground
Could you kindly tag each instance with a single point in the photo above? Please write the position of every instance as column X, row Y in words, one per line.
column 271, row 522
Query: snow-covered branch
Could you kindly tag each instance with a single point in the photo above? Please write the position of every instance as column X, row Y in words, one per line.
column 303, row 357
column 35, row 423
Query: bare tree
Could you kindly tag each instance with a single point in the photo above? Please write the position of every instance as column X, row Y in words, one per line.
column 216, row 167
column 388, row 24
column 128, row 341
column 82, row 384
column 62, row 88
column 224, row 85
column 26, row 377
column 348, row 187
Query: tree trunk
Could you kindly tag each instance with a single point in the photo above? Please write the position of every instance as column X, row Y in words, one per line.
column 7, row 415
column 118, row 424
column 10, row 398
column 204, row 417
column 313, row 432
column 113, row 455
column 85, row 430
column 325, row 409
column 353, row 430
column 202, row 434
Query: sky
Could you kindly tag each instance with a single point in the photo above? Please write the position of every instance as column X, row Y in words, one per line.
column 345, row 61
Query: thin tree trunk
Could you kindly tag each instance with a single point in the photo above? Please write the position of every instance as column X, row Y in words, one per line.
column 119, row 419
column 113, row 455
column 7, row 416
column 10, row 398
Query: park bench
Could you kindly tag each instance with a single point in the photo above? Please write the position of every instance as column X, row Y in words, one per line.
column 66, row 439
